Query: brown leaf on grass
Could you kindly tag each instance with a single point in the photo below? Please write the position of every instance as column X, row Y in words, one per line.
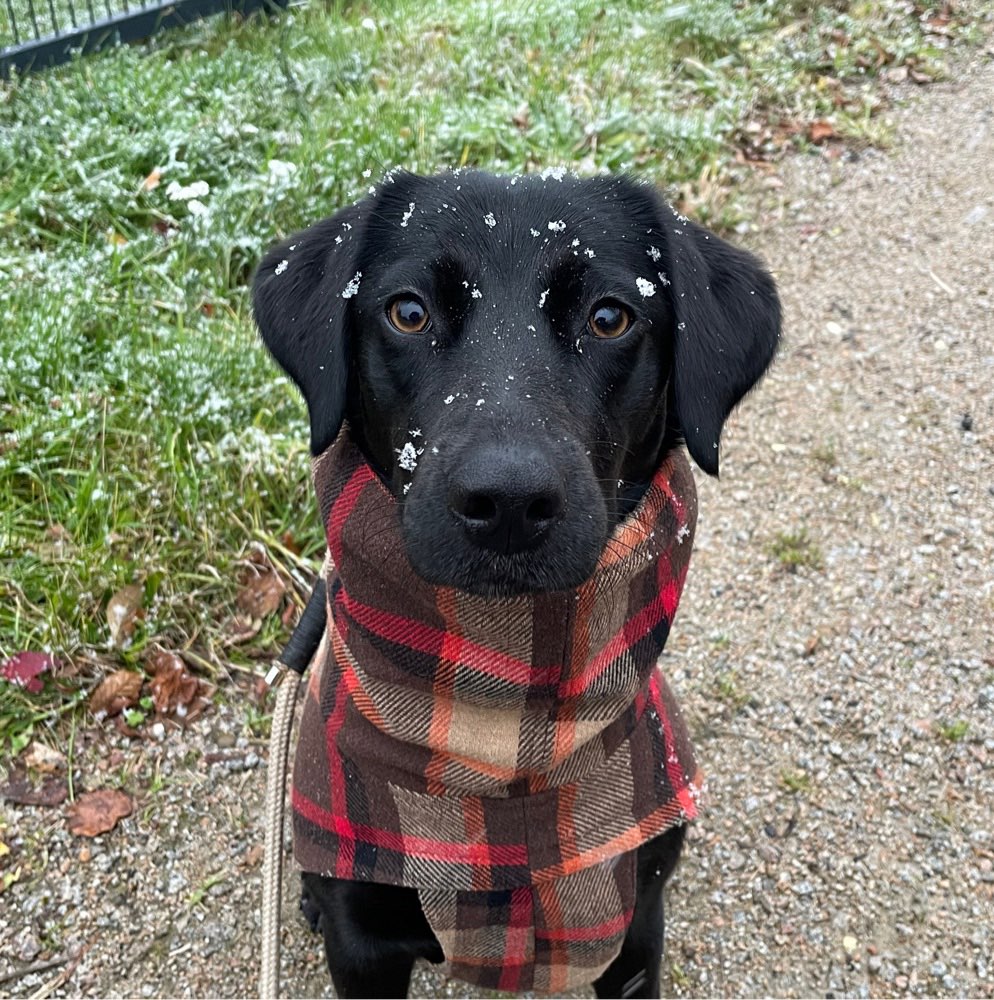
column 289, row 615
column 290, row 542
column 175, row 691
column 115, row 693
column 152, row 181
column 52, row 790
column 820, row 131
column 45, row 759
column 239, row 629
column 262, row 594
column 98, row 812
column 123, row 609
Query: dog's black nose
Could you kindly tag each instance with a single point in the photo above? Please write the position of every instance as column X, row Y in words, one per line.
column 507, row 500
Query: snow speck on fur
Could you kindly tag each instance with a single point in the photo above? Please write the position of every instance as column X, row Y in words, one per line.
column 352, row 287
column 541, row 299
column 646, row 288
column 490, row 220
column 559, row 226
column 281, row 267
column 407, row 215
column 408, row 457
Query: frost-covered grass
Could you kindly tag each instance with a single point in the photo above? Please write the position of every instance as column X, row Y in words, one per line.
column 143, row 432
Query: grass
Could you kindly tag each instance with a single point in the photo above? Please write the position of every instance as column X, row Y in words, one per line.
column 145, row 437
column 793, row 549
column 796, row 782
column 953, row 732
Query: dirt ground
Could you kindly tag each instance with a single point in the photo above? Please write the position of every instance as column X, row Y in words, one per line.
column 843, row 706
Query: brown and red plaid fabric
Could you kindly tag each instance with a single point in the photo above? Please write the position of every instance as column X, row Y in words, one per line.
column 505, row 757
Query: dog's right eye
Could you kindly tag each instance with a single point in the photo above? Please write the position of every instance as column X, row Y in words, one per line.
column 408, row 315
column 609, row 320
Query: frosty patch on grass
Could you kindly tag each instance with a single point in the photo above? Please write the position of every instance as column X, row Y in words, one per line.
column 646, row 288
column 280, row 170
column 352, row 287
column 187, row 192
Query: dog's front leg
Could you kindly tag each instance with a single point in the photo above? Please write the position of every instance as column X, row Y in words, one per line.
column 635, row 972
column 372, row 935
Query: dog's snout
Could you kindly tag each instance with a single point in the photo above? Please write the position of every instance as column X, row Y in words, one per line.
column 507, row 501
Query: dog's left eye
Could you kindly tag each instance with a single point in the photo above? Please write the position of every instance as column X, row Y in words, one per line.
column 408, row 315
column 609, row 319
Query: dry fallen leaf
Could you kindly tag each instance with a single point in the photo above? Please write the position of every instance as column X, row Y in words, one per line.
column 52, row 790
column 115, row 693
column 122, row 611
column 174, row 689
column 252, row 856
column 152, row 181
column 23, row 670
column 262, row 594
column 820, row 131
column 39, row 757
column 94, row 813
column 239, row 629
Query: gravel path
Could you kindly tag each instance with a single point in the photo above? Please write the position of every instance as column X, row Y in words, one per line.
column 843, row 711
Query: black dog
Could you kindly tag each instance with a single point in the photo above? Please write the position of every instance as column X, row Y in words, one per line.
column 592, row 329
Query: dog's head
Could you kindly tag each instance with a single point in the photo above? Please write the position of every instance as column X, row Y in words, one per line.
column 515, row 356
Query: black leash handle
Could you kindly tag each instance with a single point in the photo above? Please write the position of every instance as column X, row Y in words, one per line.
column 305, row 638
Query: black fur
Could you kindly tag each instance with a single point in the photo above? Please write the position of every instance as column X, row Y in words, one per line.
column 530, row 438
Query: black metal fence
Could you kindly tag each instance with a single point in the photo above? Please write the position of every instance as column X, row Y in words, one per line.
column 39, row 33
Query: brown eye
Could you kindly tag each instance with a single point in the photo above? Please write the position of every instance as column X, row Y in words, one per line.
column 609, row 320
column 407, row 315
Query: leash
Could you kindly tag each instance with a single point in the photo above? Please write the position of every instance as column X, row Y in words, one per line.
column 285, row 675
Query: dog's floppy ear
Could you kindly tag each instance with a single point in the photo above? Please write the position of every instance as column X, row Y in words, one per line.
column 727, row 318
column 300, row 296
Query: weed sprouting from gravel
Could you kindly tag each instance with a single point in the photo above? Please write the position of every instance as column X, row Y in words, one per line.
column 793, row 549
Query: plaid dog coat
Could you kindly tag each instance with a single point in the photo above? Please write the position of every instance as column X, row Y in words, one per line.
column 504, row 757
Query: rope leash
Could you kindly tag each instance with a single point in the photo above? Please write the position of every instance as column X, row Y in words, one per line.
column 272, row 859
column 286, row 676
